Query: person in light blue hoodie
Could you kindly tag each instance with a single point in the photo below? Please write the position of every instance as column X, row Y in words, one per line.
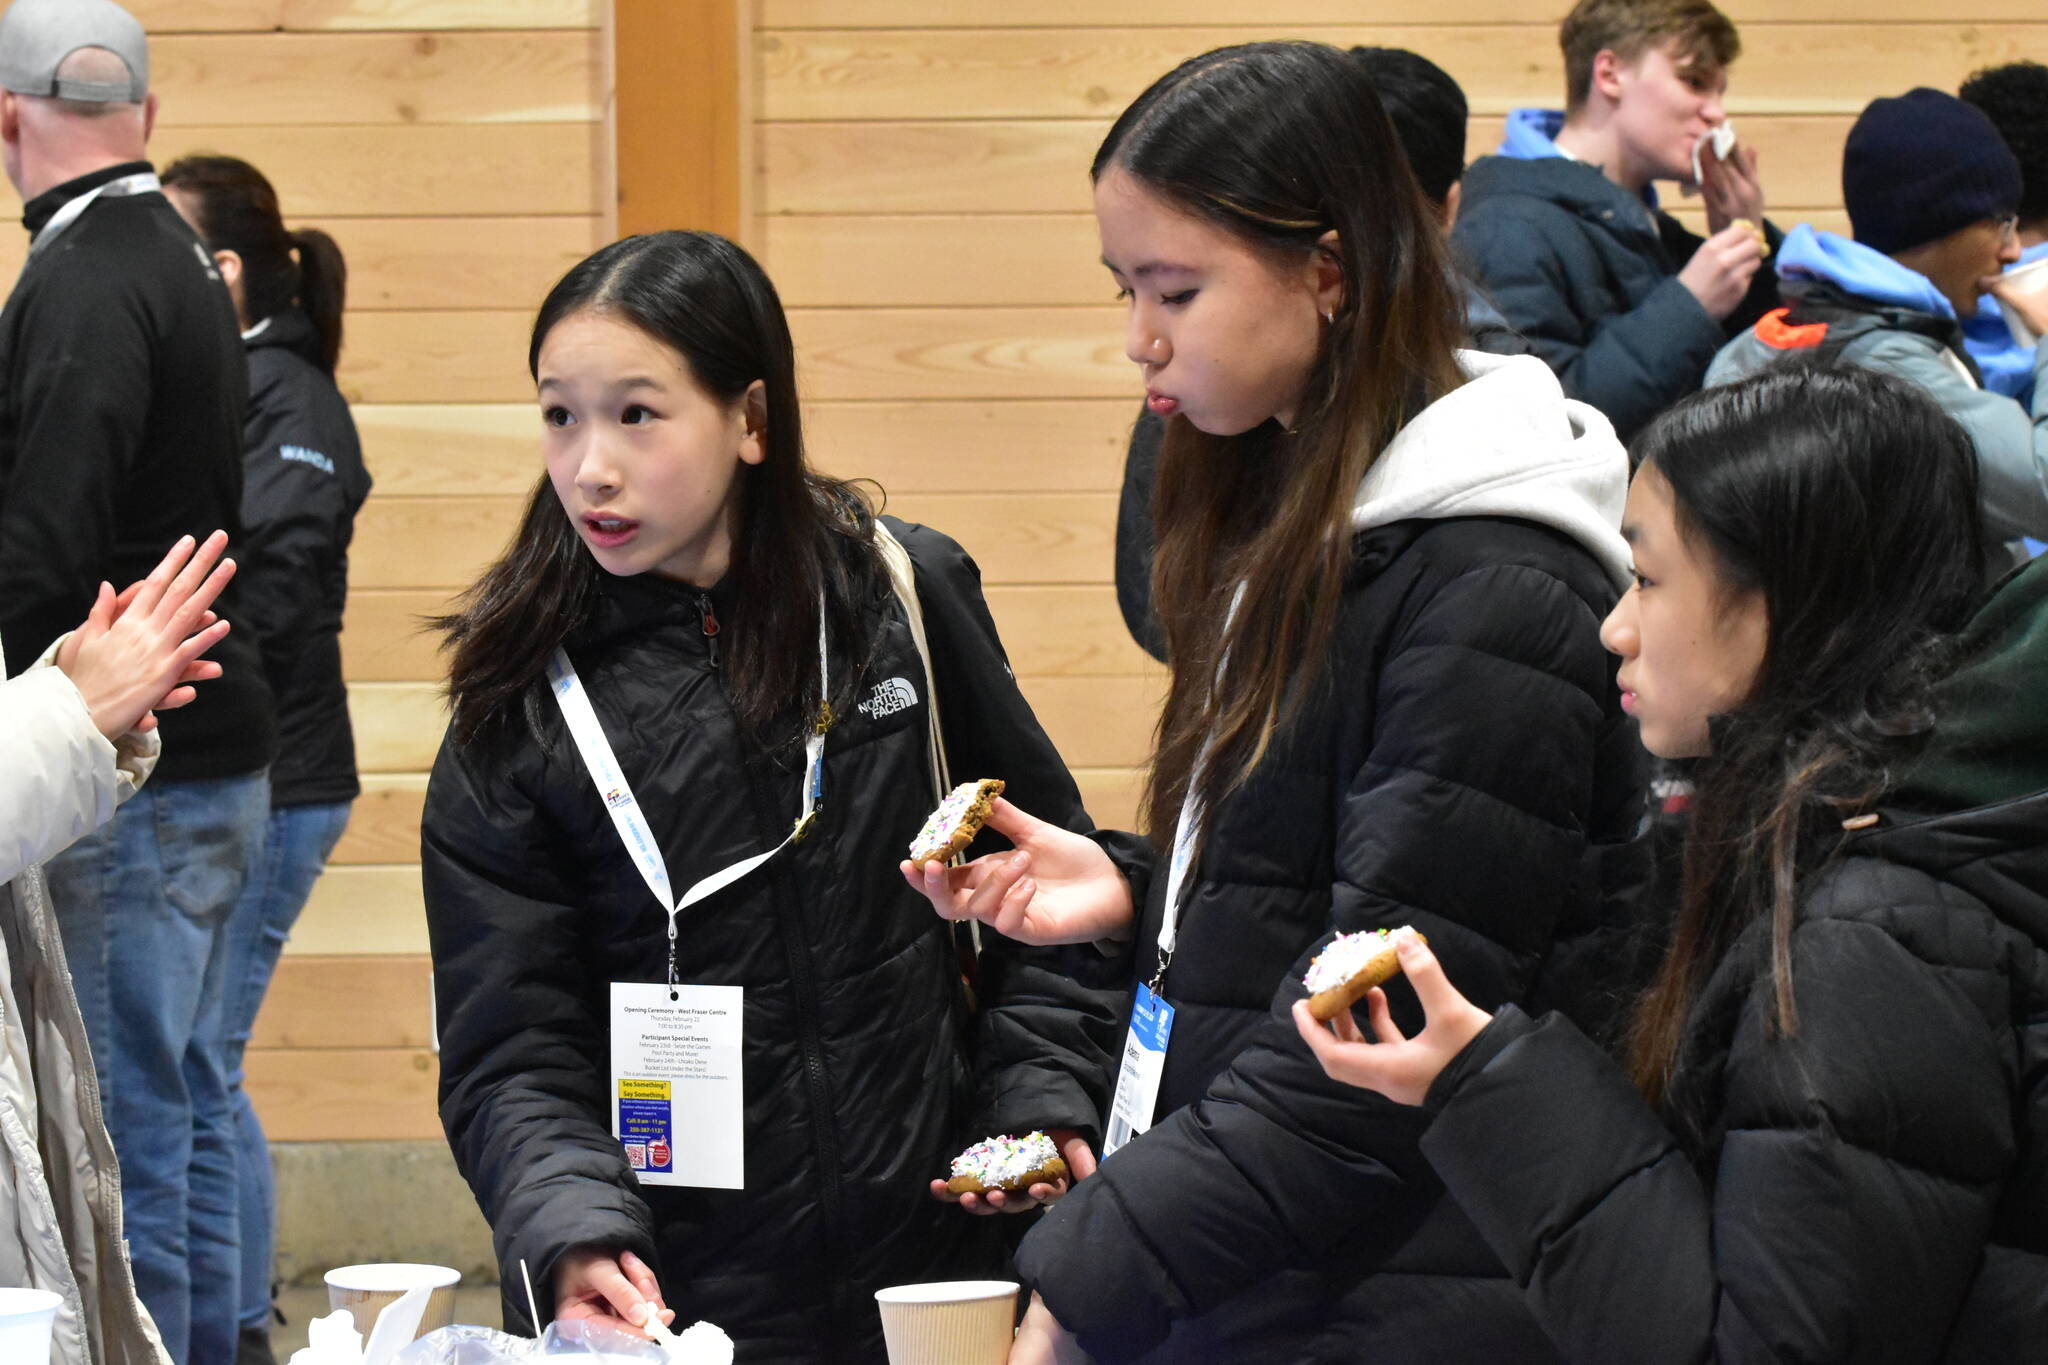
column 2015, row 98
column 1930, row 189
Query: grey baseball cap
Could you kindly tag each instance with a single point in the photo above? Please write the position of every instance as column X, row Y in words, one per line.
column 37, row 35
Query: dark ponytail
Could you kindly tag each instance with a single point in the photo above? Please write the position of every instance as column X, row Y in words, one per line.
column 323, row 290
column 238, row 211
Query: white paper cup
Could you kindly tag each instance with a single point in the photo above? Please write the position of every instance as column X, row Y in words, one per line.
column 26, row 1317
column 366, row 1290
column 957, row 1322
column 2030, row 280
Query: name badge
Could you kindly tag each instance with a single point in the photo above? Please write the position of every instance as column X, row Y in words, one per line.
column 678, row 1106
column 1137, row 1082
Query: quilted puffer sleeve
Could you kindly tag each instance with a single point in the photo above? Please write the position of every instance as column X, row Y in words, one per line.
column 524, row 1059
column 1849, row 1208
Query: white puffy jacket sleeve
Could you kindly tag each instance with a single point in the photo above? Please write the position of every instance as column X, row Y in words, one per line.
column 59, row 778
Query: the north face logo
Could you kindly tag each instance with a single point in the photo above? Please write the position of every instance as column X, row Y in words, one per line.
column 889, row 697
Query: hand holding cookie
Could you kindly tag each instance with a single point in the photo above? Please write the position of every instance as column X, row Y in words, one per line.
column 1399, row 1067
column 1013, row 1175
column 1054, row 886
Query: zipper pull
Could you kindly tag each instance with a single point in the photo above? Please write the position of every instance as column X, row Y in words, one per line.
column 709, row 621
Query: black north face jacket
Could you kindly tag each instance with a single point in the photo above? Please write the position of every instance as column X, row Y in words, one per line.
column 864, row 1070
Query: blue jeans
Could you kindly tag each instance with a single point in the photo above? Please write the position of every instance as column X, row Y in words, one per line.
column 296, row 846
column 144, row 904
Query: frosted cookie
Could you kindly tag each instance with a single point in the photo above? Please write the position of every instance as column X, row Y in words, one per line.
column 1349, row 966
column 954, row 824
column 1007, row 1163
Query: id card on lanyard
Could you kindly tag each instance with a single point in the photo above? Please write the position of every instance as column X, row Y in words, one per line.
column 1144, row 1062
column 677, row 1095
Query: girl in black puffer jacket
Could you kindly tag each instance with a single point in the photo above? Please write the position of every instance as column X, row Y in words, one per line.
column 1382, row 567
column 1835, row 1146
column 675, row 563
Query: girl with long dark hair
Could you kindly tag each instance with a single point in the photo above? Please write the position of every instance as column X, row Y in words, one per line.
column 303, row 481
column 1830, row 1138
column 1382, row 566
column 695, row 667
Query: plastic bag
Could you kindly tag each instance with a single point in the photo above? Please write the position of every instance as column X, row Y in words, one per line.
column 570, row 1342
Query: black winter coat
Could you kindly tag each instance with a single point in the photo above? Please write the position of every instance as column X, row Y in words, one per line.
column 122, row 390
column 1873, row 1188
column 861, row 1060
column 303, row 482
column 1464, row 767
column 1589, row 276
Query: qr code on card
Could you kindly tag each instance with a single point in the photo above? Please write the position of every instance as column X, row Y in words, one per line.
column 636, row 1155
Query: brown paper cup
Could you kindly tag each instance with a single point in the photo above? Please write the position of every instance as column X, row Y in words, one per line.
column 958, row 1322
column 367, row 1290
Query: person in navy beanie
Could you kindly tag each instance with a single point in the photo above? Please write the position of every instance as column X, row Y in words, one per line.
column 1931, row 190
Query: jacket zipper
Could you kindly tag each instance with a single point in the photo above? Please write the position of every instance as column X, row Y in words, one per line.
column 803, row 984
column 707, row 620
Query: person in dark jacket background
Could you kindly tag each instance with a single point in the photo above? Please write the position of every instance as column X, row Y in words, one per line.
column 1383, row 563
column 1562, row 227
column 303, row 481
column 673, row 569
column 1832, row 1140
column 1429, row 114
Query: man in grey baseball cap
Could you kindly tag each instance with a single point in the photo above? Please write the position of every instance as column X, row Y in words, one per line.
column 122, row 392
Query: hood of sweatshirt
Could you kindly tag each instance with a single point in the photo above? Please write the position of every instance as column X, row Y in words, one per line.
column 1807, row 254
column 1990, row 740
column 1506, row 443
column 1532, row 134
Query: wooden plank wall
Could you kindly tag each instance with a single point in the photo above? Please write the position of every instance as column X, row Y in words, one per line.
column 918, row 189
column 923, row 204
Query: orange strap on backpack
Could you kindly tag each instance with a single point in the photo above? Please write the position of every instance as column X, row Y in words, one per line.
column 1773, row 331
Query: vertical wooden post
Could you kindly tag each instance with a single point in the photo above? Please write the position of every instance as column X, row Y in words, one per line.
column 678, row 115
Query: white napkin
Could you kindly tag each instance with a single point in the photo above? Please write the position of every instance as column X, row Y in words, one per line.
column 396, row 1325
column 1722, row 135
column 332, row 1340
column 699, row 1344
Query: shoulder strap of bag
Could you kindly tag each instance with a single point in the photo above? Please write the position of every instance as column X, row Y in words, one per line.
column 903, row 579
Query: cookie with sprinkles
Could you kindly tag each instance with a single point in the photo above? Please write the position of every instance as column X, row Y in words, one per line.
column 1350, row 965
column 954, row 824
column 1007, row 1163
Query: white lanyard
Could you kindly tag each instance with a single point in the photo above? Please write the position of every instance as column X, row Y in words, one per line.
column 142, row 182
column 631, row 822
column 1187, row 832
